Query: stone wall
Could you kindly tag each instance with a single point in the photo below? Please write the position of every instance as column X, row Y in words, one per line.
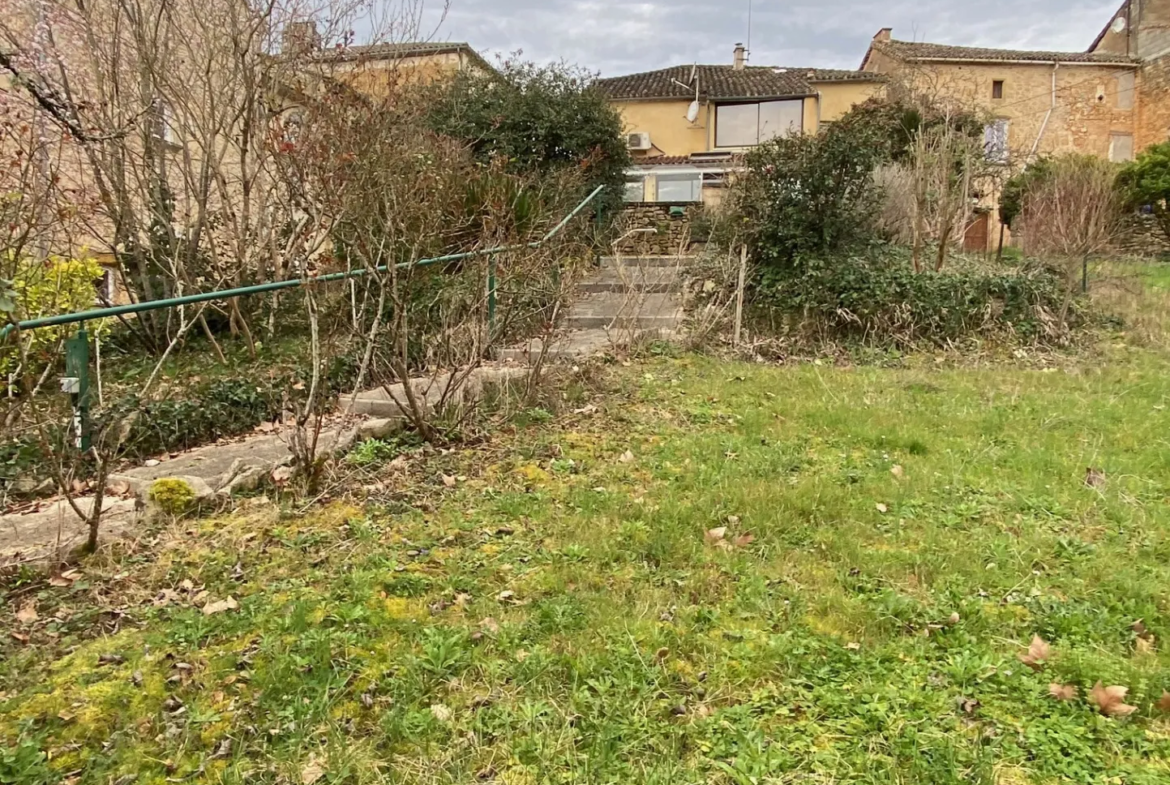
column 671, row 233
column 1143, row 237
column 1154, row 103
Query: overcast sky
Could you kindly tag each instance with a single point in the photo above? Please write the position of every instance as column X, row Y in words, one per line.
column 624, row 36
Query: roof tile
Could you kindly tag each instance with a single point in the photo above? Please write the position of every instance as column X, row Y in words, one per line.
column 723, row 82
column 908, row 50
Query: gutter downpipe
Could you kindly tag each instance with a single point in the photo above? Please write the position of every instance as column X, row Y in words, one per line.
column 1047, row 115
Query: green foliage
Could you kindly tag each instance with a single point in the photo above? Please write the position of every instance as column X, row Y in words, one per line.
column 880, row 299
column 810, row 195
column 56, row 285
column 1015, row 190
column 374, row 452
column 191, row 415
column 1145, row 182
column 535, row 118
column 172, row 495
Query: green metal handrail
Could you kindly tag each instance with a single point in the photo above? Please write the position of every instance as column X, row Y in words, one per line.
column 243, row 291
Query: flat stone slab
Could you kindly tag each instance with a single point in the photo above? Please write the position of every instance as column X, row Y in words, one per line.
column 391, row 402
column 55, row 530
column 213, row 471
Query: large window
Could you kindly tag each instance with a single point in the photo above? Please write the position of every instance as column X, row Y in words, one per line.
column 746, row 125
column 687, row 187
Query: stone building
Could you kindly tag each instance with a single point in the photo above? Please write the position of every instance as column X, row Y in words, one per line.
column 1112, row 100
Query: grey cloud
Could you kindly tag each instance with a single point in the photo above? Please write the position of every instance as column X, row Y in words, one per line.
column 616, row 36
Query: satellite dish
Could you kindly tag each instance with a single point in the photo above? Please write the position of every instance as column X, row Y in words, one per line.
column 1118, row 24
column 693, row 112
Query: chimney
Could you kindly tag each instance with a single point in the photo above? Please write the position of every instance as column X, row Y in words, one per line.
column 740, row 57
column 300, row 38
column 884, row 34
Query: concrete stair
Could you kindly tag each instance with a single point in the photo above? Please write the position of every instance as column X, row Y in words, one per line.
column 626, row 299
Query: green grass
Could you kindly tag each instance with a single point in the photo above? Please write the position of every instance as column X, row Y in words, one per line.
column 560, row 616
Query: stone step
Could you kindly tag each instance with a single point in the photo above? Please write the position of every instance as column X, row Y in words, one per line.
column 573, row 345
column 431, row 392
column 622, row 278
column 647, row 261
column 656, row 311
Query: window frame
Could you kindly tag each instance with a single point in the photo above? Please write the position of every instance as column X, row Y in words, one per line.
column 694, row 178
column 638, row 180
column 799, row 126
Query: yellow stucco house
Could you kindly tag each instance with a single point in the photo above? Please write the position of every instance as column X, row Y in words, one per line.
column 686, row 124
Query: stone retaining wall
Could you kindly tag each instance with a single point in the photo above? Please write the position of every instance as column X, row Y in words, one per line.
column 672, row 231
column 1143, row 237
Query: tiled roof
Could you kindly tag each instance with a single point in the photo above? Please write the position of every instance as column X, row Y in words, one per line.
column 907, row 50
column 688, row 160
column 722, row 82
column 390, row 51
column 838, row 75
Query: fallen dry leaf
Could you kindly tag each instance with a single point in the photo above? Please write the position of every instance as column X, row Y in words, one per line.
column 1143, row 647
column 881, row 508
column 1139, row 628
column 265, row 427
column 28, row 613
column 853, row 646
column 897, row 470
column 1110, row 700
column 1094, row 478
column 448, row 480
column 312, row 772
column 589, row 409
column 715, row 535
column 228, row 604
column 1163, row 703
column 18, row 636
column 60, row 582
column 626, row 457
column 505, row 595
column 743, row 540
column 490, row 625
column 1038, row 653
column 120, row 488
column 1062, row 692
column 441, row 712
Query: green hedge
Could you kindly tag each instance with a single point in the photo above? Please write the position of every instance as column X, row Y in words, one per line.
column 884, row 301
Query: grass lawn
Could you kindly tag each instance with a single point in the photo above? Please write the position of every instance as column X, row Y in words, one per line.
column 554, row 607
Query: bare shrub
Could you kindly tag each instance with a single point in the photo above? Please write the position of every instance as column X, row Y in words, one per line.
column 1072, row 214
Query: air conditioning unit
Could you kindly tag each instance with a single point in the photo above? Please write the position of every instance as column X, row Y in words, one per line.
column 638, row 141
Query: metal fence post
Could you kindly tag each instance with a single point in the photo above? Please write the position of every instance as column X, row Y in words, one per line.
column 76, row 383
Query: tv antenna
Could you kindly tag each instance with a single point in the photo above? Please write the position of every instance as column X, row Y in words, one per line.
column 749, row 32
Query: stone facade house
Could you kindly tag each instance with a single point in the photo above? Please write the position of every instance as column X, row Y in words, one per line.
column 1111, row 100
column 686, row 124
